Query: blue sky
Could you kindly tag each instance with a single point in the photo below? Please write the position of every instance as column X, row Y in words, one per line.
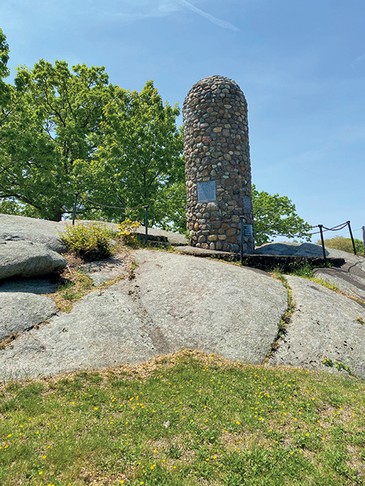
column 300, row 63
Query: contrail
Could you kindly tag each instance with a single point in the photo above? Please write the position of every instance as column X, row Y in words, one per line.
column 221, row 23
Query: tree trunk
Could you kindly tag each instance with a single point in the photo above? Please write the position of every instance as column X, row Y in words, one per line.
column 56, row 215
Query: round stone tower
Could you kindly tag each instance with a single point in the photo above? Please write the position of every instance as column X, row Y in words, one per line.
column 218, row 169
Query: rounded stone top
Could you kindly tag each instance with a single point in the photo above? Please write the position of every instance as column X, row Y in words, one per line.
column 216, row 81
column 214, row 87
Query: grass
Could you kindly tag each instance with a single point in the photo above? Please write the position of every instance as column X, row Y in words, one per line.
column 345, row 244
column 306, row 271
column 286, row 317
column 74, row 287
column 75, row 284
column 334, row 288
column 186, row 419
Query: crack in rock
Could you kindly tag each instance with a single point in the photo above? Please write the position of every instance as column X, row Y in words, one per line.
column 153, row 331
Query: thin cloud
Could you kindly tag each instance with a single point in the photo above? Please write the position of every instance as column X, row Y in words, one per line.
column 133, row 10
column 137, row 10
column 358, row 60
column 221, row 23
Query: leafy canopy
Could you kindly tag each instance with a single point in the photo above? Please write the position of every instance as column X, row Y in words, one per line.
column 4, row 71
column 276, row 215
column 140, row 157
column 54, row 120
column 68, row 130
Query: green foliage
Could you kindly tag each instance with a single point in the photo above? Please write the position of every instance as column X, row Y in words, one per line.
column 339, row 365
column 188, row 419
column 344, row 244
column 11, row 206
column 171, row 206
column 90, row 242
column 276, row 215
column 69, row 131
column 302, row 270
column 4, row 72
column 53, row 120
column 4, row 55
column 72, row 290
column 139, row 161
column 127, row 231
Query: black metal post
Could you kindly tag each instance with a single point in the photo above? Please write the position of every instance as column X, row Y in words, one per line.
column 352, row 237
column 242, row 219
column 363, row 238
column 146, row 223
column 74, row 209
column 320, row 226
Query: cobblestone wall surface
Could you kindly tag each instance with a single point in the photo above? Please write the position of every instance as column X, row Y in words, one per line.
column 218, row 168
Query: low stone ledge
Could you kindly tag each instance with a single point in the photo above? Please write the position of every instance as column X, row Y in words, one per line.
column 288, row 263
column 264, row 262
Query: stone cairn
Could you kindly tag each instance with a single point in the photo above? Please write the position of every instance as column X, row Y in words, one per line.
column 218, row 169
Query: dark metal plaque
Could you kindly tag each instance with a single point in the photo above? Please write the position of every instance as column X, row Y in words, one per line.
column 207, row 191
column 247, row 204
column 247, row 230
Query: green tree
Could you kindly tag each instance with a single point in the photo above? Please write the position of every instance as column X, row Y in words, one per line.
column 5, row 92
column 54, row 119
column 276, row 215
column 171, row 207
column 140, row 159
column 4, row 71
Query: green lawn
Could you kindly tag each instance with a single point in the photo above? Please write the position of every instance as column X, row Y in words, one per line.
column 186, row 419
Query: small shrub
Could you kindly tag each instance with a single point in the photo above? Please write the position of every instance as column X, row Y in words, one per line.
column 344, row 244
column 127, row 230
column 339, row 365
column 90, row 242
column 302, row 270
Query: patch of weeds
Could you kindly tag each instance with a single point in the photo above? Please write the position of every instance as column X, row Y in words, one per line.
column 334, row 288
column 291, row 305
column 174, row 451
column 338, row 365
column 74, row 284
column 326, row 284
column 303, row 270
column 6, row 341
column 278, row 274
column 285, row 318
column 132, row 267
column 360, row 320
column 72, row 289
